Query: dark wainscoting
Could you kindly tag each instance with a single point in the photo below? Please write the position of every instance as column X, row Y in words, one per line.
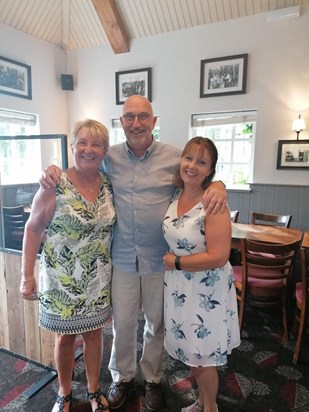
column 278, row 199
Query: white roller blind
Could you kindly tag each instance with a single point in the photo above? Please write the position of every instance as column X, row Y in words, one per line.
column 11, row 116
column 220, row 118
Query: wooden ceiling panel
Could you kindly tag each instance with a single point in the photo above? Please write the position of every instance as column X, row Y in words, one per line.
column 75, row 24
column 164, row 15
column 221, row 11
column 227, row 10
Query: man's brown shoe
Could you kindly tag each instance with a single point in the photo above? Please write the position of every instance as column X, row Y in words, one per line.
column 117, row 394
column 154, row 397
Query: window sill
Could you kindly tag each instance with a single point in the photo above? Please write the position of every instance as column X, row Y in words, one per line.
column 242, row 188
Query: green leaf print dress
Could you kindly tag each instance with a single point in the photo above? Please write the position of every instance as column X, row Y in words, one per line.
column 75, row 265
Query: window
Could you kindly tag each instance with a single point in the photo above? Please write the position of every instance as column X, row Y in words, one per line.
column 233, row 134
column 19, row 159
column 117, row 135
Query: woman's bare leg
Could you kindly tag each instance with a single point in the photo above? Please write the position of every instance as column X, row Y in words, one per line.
column 207, row 381
column 64, row 360
column 93, row 352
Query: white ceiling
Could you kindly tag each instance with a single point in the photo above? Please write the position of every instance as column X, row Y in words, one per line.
column 74, row 24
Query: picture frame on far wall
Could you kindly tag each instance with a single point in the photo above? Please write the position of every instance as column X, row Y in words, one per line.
column 15, row 78
column 132, row 82
column 293, row 154
column 224, row 76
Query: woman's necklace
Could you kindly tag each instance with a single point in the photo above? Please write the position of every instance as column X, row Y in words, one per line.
column 94, row 185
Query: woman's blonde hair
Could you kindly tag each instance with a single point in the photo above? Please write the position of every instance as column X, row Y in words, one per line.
column 206, row 144
column 96, row 128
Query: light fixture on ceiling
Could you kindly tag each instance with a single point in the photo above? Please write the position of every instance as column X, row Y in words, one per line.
column 298, row 125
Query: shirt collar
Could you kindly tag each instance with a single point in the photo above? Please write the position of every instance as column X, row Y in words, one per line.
column 147, row 152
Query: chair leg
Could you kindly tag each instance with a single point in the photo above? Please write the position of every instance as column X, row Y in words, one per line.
column 241, row 314
column 284, row 316
column 303, row 319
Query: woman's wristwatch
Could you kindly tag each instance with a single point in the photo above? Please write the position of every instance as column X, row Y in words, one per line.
column 177, row 263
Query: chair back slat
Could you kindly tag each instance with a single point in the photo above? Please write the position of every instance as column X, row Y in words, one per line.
column 14, row 220
column 269, row 256
column 268, row 218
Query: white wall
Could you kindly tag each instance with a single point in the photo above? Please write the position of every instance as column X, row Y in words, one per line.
column 277, row 83
column 47, row 63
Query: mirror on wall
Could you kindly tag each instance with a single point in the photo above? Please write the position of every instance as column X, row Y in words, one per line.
column 22, row 159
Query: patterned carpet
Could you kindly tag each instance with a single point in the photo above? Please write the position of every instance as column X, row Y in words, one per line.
column 260, row 377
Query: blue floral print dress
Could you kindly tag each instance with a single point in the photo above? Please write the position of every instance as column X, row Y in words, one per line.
column 200, row 311
column 75, row 265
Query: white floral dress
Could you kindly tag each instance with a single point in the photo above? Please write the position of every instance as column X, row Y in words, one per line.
column 75, row 265
column 200, row 311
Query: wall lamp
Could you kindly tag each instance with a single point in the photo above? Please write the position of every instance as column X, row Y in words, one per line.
column 298, row 125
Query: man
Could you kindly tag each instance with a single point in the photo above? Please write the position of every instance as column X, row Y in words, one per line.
column 141, row 172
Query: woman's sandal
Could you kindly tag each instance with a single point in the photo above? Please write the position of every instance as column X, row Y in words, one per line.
column 97, row 396
column 61, row 400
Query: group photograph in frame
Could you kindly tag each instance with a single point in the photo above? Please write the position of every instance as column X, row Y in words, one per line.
column 293, row 154
column 133, row 82
column 15, row 78
column 223, row 76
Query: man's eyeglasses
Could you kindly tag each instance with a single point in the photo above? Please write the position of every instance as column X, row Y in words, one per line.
column 142, row 117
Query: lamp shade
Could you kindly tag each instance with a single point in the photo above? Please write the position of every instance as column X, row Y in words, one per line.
column 298, row 124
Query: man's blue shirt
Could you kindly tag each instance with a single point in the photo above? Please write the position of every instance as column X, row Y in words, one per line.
column 143, row 188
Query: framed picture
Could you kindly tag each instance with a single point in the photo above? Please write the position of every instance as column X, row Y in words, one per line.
column 132, row 82
column 223, row 76
column 15, row 78
column 293, row 154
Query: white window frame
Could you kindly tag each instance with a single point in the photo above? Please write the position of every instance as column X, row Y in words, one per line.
column 201, row 122
column 14, row 123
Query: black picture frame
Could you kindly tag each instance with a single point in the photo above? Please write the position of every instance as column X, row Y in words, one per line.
column 293, row 154
column 132, row 82
column 15, row 78
column 223, row 76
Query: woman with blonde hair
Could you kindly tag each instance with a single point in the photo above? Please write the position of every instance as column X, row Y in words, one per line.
column 75, row 266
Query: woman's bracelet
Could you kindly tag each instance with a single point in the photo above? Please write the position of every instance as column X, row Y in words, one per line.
column 177, row 263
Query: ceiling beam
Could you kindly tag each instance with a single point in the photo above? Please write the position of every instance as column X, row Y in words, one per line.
column 113, row 25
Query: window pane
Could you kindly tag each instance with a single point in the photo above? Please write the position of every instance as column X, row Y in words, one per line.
column 224, row 173
column 240, row 174
column 242, row 151
column 224, row 151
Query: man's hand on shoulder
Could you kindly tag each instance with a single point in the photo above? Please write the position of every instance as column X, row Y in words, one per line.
column 215, row 198
column 50, row 177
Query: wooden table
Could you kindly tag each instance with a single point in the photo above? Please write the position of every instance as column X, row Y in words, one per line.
column 305, row 242
column 27, row 211
column 265, row 233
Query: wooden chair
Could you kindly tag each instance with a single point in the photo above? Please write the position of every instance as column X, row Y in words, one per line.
column 234, row 215
column 265, row 276
column 235, row 253
column 267, row 218
column 14, row 225
column 302, row 302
